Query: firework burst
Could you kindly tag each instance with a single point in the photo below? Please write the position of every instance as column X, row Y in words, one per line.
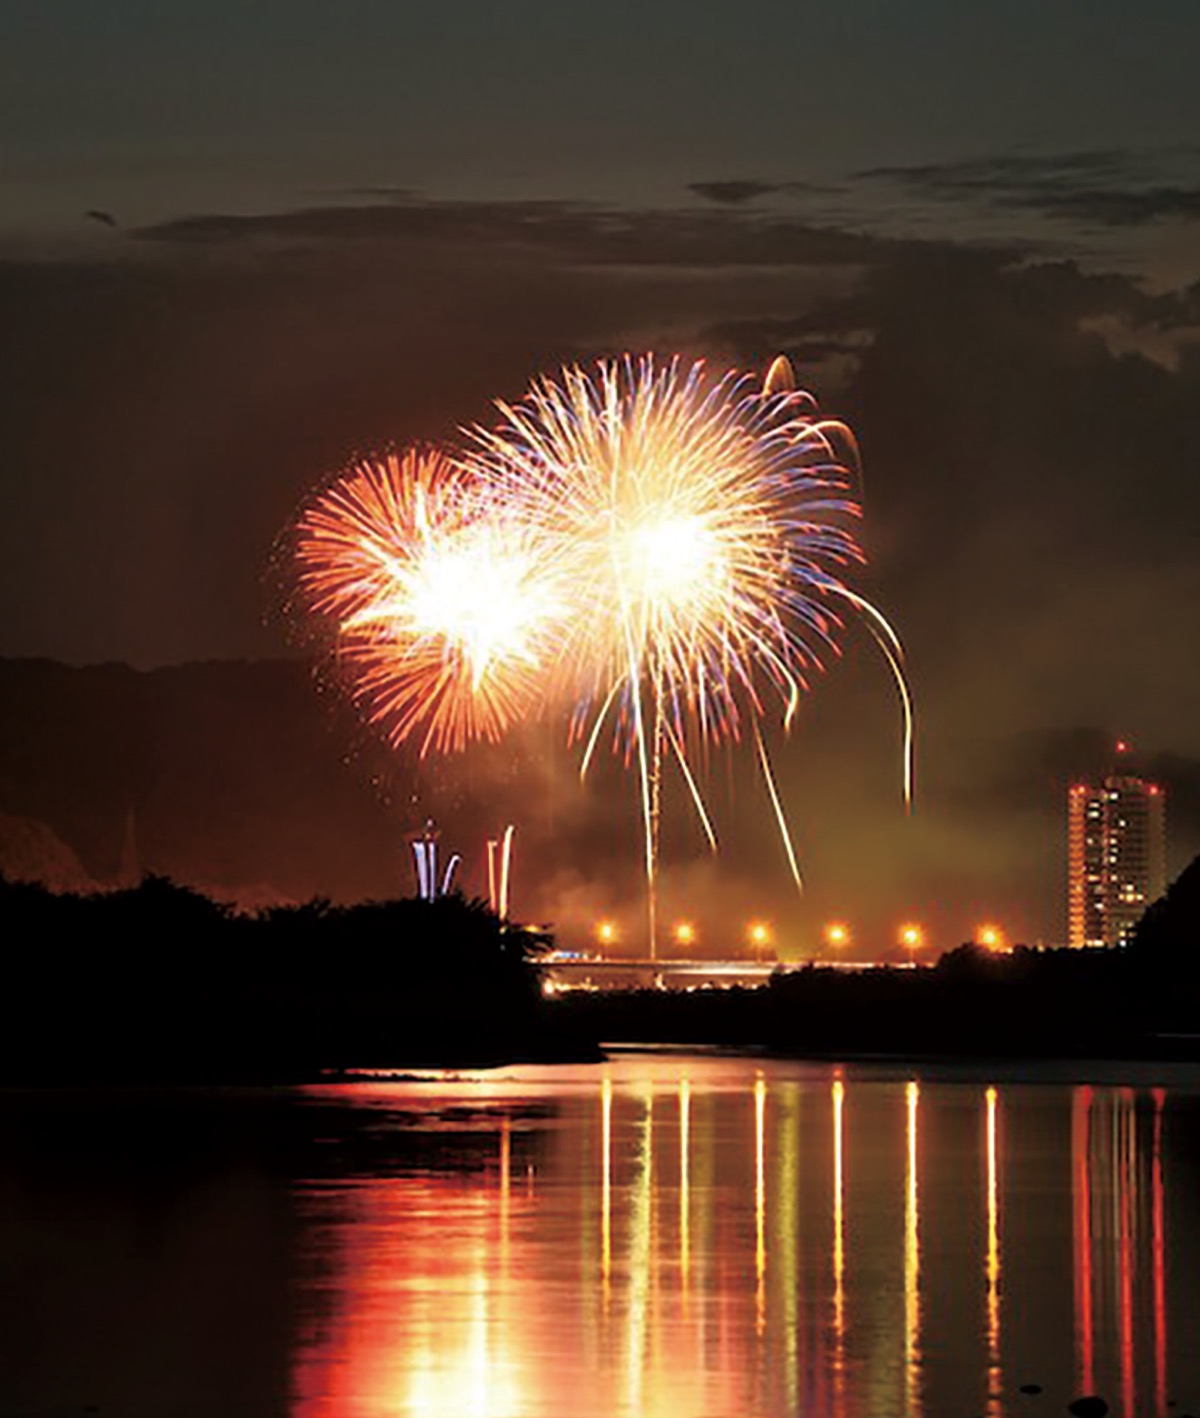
column 708, row 522
column 439, row 601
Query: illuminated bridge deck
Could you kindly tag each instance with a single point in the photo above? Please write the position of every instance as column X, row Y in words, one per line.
column 567, row 971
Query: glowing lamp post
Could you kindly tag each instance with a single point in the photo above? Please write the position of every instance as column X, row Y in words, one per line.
column 912, row 938
column 685, row 934
column 606, row 933
column 837, row 935
column 759, row 934
column 990, row 937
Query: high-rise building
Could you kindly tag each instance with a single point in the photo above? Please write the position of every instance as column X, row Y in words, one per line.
column 1116, row 862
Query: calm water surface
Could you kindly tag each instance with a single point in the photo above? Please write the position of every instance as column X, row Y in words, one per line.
column 663, row 1234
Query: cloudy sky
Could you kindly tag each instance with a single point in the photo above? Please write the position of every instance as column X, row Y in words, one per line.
column 239, row 243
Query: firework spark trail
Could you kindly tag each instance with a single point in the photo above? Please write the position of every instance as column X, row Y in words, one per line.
column 441, row 603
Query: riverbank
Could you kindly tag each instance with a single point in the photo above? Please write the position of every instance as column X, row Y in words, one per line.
column 1028, row 1004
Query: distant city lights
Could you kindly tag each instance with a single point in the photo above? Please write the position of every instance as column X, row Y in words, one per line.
column 837, row 934
column 685, row 933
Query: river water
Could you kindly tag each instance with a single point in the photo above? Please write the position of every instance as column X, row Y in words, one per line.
column 662, row 1234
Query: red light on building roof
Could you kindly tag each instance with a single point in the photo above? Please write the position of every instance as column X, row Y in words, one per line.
column 1154, row 790
column 1122, row 746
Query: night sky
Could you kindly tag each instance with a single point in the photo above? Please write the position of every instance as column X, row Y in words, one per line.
column 239, row 244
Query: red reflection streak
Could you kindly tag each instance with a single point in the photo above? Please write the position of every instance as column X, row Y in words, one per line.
column 606, row 1189
column 992, row 1271
column 1159, row 1241
column 1126, row 1182
column 1081, row 1120
column 912, row 1259
column 684, row 1186
column 760, row 1206
column 839, row 1252
column 505, row 1193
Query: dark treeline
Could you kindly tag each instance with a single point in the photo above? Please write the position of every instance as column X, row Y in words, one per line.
column 161, row 983
column 1138, row 1002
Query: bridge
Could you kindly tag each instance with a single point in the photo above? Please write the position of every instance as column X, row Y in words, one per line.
column 568, row 970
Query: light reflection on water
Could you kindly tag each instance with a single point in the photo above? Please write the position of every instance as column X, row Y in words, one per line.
column 690, row 1235
column 659, row 1235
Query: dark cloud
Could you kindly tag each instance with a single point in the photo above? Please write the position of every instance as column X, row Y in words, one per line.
column 1113, row 208
column 734, row 191
column 1175, row 310
column 742, row 191
column 1006, row 171
column 1105, row 187
column 578, row 233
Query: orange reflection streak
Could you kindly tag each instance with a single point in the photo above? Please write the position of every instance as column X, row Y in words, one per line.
column 839, row 1251
column 1126, row 1139
column 505, row 1189
column 994, row 1388
column 1081, row 1142
column 606, row 1187
column 787, row 1268
column 455, row 1357
column 760, row 1203
column 685, row 1101
column 641, row 1245
column 912, row 1262
column 1159, row 1260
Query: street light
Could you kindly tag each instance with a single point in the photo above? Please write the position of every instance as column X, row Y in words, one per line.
column 990, row 937
column 760, row 936
column 837, row 934
column 606, row 932
column 912, row 938
column 685, row 933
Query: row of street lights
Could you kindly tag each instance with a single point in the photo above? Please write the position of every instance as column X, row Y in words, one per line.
column 837, row 935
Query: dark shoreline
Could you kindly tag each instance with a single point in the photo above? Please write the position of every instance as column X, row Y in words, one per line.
column 160, row 984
